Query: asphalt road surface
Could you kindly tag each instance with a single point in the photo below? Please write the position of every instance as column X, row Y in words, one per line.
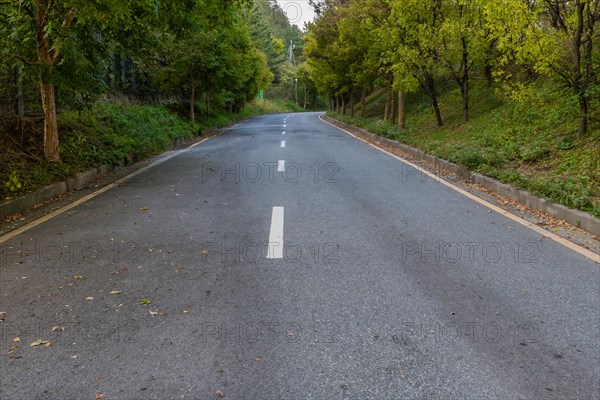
column 285, row 259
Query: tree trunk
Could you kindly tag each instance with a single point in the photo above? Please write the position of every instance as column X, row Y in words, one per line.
column 578, row 79
column 19, row 100
column 465, row 80
column 112, row 70
column 465, row 96
column 401, row 110
column 430, row 87
column 305, row 95
column 343, row 105
column 488, row 63
column 388, row 97
column 393, row 107
column 50, row 122
column 351, row 102
column 363, row 96
column 123, row 71
column 193, row 101
column 436, row 108
column 46, row 60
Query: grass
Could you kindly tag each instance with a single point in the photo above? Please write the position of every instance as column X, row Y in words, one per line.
column 105, row 134
column 529, row 141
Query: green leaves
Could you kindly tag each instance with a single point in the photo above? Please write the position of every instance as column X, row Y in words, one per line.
column 13, row 184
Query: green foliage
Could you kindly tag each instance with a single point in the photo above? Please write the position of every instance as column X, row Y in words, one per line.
column 110, row 134
column 532, row 148
column 13, row 183
column 425, row 45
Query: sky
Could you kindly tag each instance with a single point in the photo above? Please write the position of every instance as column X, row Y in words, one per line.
column 298, row 11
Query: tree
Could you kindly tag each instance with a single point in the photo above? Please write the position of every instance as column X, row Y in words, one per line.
column 46, row 28
column 554, row 38
column 419, row 22
column 463, row 43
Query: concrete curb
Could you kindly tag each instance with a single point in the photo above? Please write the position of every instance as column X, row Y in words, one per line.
column 578, row 218
column 79, row 181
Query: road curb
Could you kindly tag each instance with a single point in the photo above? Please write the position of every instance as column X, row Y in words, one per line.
column 82, row 179
column 578, row 218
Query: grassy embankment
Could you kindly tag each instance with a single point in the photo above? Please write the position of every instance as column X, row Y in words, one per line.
column 105, row 134
column 530, row 142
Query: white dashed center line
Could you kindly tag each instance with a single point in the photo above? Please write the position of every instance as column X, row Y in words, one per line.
column 283, row 133
column 283, row 143
column 275, row 248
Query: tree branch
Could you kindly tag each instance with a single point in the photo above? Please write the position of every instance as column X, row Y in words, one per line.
column 27, row 61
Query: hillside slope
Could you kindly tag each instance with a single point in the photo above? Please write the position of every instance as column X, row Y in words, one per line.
column 529, row 141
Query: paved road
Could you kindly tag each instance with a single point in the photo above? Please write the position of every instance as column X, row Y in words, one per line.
column 388, row 284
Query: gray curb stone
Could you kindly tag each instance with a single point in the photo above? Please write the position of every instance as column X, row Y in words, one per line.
column 80, row 180
column 579, row 218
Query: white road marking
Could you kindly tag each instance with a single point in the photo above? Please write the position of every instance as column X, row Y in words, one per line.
column 55, row 213
column 275, row 248
column 284, row 125
column 283, row 143
column 281, row 166
column 579, row 249
column 283, row 133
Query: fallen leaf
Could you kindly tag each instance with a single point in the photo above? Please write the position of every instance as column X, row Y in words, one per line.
column 258, row 358
column 58, row 329
column 219, row 394
column 186, row 311
column 73, row 356
column 144, row 209
column 2, row 315
column 115, row 292
column 100, row 396
column 145, row 302
column 89, row 298
column 153, row 313
column 204, row 251
column 17, row 339
column 14, row 356
column 40, row 342
column 78, row 276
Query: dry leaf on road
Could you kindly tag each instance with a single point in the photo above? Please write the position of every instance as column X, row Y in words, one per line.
column 45, row 343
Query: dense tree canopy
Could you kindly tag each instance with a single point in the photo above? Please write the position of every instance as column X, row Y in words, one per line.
column 73, row 52
column 419, row 44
